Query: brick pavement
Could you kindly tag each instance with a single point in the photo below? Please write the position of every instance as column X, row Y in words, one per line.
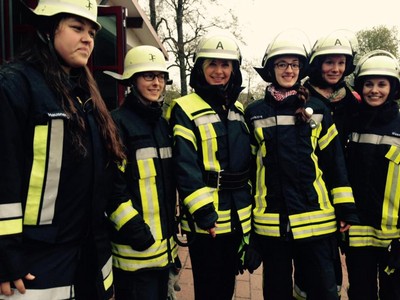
column 248, row 286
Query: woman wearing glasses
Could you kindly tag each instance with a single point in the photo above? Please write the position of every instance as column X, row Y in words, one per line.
column 300, row 185
column 141, row 267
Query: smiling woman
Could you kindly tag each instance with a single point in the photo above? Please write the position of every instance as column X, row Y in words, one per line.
column 212, row 154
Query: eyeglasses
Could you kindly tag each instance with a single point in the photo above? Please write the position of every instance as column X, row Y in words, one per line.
column 149, row 76
column 284, row 65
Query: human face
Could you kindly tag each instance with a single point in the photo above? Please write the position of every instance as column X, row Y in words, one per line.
column 74, row 41
column 333, row 68
column 217, row 71
column 288, row 77
column 151, row 89
column 376, row 90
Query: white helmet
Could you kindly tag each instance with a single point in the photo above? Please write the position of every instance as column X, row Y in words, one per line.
column 218, row 46
column 377, row 63
column 288, row 42
column 141, row 59
column 337, row 42
column 340, row 41
column 83, row 8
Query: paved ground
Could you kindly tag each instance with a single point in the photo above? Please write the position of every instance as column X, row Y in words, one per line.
column 248, row 286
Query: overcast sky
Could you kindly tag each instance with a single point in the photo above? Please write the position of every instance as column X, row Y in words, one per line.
column 261, row 20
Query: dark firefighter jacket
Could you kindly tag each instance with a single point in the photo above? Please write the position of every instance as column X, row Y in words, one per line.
column 374, row 173
column 298, row 168
column 342, row 111
column 212, row 159
column 48, row 194
column 150, row 179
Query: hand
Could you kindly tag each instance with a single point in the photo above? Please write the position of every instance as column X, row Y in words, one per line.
column 252, row 258
column 212, row 231
column 5, row 287
column 344, row 226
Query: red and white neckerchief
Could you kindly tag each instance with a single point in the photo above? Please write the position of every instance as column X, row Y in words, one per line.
column 280, row 95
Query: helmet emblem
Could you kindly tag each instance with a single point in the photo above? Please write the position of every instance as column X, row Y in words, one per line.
column 219, row 45
column 338, row 42
column 89, row 5
column 152, row 57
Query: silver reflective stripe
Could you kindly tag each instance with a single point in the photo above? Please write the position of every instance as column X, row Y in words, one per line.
column 59, row 293
column 273, row 121
column 207, row 119
column 234, row 116
column 54, row 169
column 375, row 139
column 146, row 153
column 12, row 210
column 165, row 152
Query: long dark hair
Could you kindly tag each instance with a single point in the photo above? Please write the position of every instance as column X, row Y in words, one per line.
column 43, row 56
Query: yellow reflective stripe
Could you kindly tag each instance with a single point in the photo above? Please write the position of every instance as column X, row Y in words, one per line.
column 156, row 255
column 244, row 213
column 122, row 166
column 10, row 226
column 394, row 154
column 265, row 223
column 123, row 214
column 198, row 198
column 325, row 140
column 319, row 186
column 391, row 199
column 260, row 186
column 342, row 195
column 310, row 230
column 46, row 146
column 107, row 274
column 313, row 223
column 221, row 229
column 37, row 175
column 209, row 147
column 186, row 134
column 361, row 236
column 267, row 230
column 224, row 215
column 375, row 139
column 151, row 209
column 312, row 217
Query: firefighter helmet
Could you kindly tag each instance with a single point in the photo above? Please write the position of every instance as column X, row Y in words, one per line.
column 83, row 8
column 288, row 42
column 218, row 46
column 337, row 42
column 378, row 63
column 141, row 59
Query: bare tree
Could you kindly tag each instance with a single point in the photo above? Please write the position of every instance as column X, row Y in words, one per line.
column 180, row 24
